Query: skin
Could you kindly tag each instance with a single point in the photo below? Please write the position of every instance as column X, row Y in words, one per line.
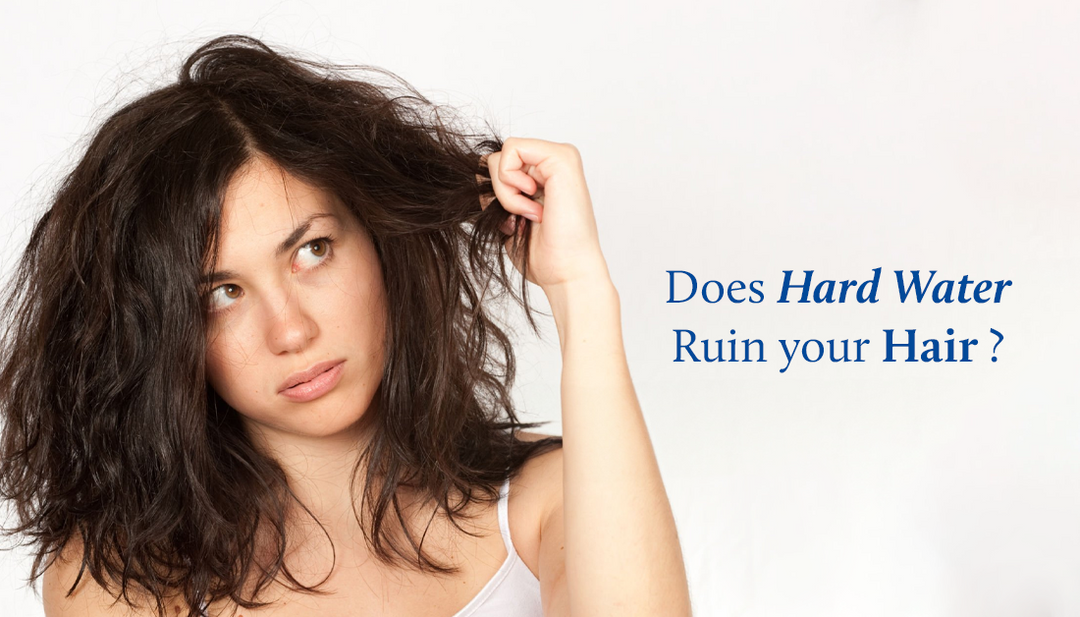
column 591, row 520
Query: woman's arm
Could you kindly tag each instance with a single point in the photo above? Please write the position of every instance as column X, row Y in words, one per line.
column 612, row 548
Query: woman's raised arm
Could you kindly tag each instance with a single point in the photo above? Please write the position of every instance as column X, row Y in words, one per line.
column 616, row 535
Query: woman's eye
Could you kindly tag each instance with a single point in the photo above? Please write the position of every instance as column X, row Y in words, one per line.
column 223, row 296
column 314, row 252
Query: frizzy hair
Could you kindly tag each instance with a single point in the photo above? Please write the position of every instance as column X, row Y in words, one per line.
column 113, row 439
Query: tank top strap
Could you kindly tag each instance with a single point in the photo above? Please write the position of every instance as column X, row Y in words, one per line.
column 504, row 516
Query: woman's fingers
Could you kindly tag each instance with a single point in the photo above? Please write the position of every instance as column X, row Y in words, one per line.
column 509, row 226
column 518, row 179
column 509, row 182
column 512, row 170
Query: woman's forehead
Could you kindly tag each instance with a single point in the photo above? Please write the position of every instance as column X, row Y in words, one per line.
column 263, row 198
column 265, row 211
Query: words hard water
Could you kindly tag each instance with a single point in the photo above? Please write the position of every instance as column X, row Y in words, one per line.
column 913, row 285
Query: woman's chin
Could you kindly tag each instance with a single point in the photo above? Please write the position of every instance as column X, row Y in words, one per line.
column 311, row 422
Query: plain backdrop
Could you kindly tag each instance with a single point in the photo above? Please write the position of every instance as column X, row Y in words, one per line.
column 736, row 140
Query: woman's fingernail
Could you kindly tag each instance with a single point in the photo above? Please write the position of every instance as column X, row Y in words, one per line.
column 532, row 217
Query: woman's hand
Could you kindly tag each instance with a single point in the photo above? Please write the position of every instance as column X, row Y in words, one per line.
column 544, row 182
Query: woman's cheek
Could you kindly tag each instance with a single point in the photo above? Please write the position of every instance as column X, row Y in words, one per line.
column 225, row 364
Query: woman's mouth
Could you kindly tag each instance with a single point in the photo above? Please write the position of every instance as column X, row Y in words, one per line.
column 314, row 382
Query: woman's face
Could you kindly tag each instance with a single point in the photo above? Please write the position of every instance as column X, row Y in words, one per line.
column 298, row 296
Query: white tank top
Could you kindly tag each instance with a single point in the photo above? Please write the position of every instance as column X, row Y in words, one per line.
column 514, row 591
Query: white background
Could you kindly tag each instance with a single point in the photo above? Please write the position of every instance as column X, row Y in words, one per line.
column 737, row 140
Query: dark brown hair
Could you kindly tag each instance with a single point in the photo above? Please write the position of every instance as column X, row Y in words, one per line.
column 112, row 437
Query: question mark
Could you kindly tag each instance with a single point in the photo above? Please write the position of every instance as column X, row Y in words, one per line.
column 1001, row 337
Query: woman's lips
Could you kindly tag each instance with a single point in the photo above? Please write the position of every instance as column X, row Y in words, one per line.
column 318, row 385
column 308, row 374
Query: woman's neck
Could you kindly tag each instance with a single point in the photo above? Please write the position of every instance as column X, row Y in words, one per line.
column 327, row 480
column 321, row 472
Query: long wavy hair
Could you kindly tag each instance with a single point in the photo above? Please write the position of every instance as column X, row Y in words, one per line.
column 112, row 437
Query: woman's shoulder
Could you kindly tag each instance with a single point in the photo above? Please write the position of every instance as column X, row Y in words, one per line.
column 535, row 494
column 67, row 589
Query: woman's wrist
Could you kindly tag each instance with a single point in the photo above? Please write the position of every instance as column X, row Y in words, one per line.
column 586, row 302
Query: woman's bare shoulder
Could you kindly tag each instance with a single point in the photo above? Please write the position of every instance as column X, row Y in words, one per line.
column 65, row 593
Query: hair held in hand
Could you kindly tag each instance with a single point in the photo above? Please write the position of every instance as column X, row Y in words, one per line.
column 112, row 438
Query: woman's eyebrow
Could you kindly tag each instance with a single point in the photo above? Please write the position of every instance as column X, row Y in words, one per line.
column 298, row 234
column 286, row 245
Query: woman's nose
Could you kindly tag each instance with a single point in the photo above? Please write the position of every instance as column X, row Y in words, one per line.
column 291, row 327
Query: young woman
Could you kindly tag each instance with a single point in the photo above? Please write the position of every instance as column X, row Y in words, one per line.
column 252, row 368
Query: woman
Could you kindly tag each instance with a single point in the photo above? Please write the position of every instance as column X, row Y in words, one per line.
column 252, row 367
